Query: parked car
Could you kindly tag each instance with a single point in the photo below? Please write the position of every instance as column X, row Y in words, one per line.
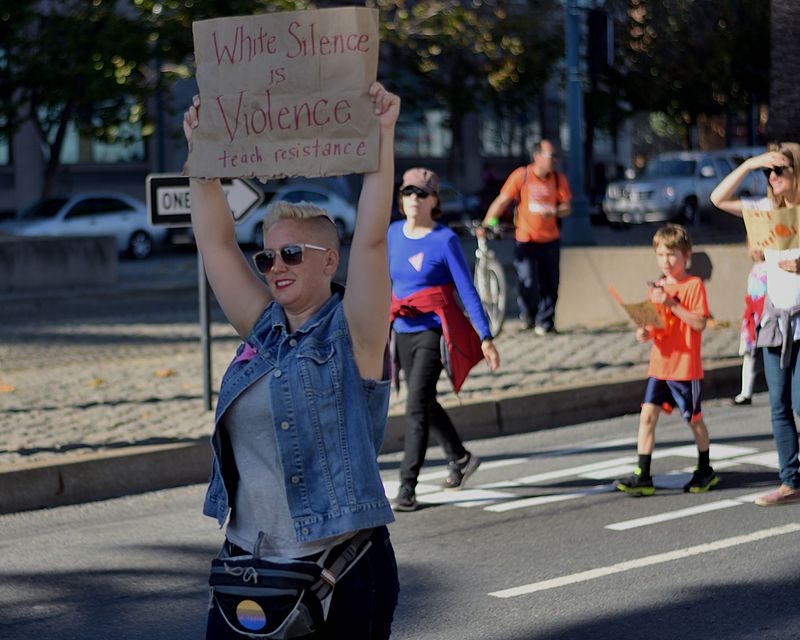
column 456, row 205
column 249, row 231
column 90, row 214
column 676, row 186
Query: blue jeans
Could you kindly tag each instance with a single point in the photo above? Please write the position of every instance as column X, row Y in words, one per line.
column 784, row 400
column 537, row 265
column 363, row 601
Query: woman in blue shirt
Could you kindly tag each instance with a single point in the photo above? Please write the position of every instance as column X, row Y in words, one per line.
column 426, row 263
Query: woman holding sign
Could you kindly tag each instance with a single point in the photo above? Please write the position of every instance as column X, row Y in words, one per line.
column 779, row 333
column 301, row 415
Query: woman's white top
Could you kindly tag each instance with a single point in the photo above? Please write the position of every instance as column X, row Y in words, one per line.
column 783, row 287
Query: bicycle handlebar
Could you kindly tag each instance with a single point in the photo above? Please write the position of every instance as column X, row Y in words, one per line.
column 492, row 233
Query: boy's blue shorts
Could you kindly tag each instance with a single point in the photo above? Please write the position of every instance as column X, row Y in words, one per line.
column 684, row 394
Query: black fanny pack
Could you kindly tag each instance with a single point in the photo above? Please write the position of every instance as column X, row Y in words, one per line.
column 281, row 598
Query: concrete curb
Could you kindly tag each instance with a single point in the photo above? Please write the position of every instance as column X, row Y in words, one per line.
column 73, row 479
column 29, row 302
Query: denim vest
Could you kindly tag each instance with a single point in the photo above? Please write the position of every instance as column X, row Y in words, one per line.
column 329, row 423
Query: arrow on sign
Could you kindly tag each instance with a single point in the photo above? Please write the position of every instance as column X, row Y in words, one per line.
column 243, row 197
column 169, row 199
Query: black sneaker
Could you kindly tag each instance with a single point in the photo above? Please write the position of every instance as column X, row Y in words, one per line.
column 701, row 481
column 636, row 484
column 406, row 499
column 459, row 471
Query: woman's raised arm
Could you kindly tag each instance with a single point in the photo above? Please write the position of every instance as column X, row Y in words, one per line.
column 368, row 294
column 722, row 196
column 240, row 293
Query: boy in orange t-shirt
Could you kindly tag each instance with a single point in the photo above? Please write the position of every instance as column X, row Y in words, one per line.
column 676, row 371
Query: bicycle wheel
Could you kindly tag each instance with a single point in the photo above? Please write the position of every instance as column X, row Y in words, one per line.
column 490, row 281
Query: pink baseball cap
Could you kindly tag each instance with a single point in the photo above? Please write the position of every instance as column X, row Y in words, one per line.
column 424, row 179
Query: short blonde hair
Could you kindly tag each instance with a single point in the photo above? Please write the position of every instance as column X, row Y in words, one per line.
column 790, row 151
column 673, row 236
column 318, row 219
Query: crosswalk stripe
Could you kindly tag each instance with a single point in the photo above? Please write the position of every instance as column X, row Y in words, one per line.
column 537, row 500
column 674, row 515
column 647, row 561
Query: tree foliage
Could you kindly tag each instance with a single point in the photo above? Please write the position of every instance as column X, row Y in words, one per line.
column 467, row 55
column 689, row 58
column 95, row 64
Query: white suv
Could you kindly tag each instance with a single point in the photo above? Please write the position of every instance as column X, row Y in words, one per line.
column 676, row 186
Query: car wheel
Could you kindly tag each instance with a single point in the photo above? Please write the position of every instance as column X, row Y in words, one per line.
column 688, row 212
column 258, row 235
column 140, row 245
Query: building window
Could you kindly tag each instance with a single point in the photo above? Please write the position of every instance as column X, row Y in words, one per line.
column 424, row 136
column 82, row 149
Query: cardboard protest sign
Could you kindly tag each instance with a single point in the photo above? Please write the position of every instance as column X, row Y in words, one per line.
column 776, row 229
column 286, row 94
column 643, row 314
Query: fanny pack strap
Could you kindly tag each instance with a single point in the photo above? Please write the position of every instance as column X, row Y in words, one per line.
column 344, row 561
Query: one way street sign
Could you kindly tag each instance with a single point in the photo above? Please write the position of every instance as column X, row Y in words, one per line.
column 169, row 202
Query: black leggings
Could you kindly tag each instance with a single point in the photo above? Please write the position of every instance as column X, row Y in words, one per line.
column 420, row 359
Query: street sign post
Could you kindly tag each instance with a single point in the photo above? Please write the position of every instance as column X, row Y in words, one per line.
column 169, row 203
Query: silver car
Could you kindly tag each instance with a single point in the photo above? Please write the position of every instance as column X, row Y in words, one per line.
column 90, row 214
column 676, row 186
column 249, row 231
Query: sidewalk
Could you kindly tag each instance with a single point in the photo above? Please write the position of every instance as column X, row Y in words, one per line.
column 92, row 408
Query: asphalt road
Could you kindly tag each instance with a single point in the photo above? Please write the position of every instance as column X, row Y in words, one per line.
column 539, row 547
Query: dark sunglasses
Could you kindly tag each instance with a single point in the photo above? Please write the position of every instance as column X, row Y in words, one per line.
column 407, row 191
column 291, row 254
column 778, row 171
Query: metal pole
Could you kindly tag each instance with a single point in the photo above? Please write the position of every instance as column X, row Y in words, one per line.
column 576, row 228
column 205, row 330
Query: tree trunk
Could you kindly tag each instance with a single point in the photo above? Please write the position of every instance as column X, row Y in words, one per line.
column 53, row 167
column 784, row 92
column 455, row 164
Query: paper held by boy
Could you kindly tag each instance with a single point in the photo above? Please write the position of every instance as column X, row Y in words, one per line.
column 643, row 314
column 775, row 229
column 286, row 94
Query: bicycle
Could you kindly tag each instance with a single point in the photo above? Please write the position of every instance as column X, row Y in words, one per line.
column 489, row 277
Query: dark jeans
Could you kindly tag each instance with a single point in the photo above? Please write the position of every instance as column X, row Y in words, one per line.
column 363, row 601
column 420, row 359
column 537, row 265
column 784, row 401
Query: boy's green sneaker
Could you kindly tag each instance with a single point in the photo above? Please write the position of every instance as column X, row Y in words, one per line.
column 636, row 484
column 701, row 481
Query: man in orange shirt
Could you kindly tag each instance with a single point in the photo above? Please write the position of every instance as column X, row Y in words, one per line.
column 543, row 196
column 675, row 373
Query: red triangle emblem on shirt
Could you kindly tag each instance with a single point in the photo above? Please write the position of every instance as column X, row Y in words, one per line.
column 416, row 261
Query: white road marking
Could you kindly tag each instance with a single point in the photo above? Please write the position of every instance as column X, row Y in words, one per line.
column 751, row 497
column 769, row 459
column 465, row 497
column 487, row 494
column 647, row 561
column 674, row 515
column 537, row 500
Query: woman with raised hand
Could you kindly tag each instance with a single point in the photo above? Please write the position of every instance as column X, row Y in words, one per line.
column 779, row 332
column 302, row 408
